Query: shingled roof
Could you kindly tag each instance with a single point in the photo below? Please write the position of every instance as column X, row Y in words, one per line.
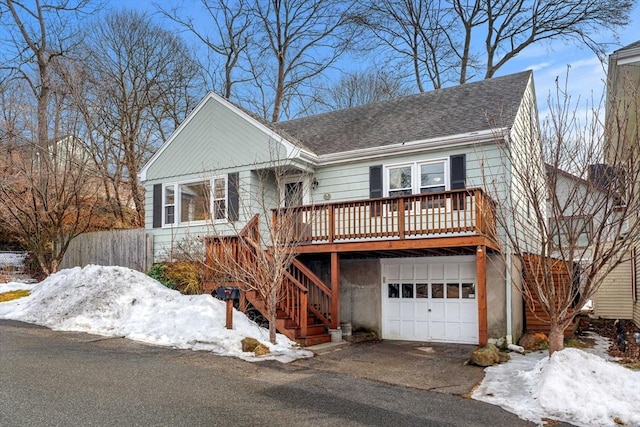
column 451, row 111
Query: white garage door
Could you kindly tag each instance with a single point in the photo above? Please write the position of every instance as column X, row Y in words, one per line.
column 430, row 299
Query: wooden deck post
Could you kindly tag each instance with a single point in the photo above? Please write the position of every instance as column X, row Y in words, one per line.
column 335, row 290
column 481, row 277
column 332, row 223
column 401, row 218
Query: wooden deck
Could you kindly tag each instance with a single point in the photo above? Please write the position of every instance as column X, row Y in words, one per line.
column 448, row 219
column 461, row 220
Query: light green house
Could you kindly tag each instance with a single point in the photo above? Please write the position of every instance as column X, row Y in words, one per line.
column 399, row 232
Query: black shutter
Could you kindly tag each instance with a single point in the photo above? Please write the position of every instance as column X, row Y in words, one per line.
column 458, row 171
column 157, row 205
column 458, row 177
column 233, row 196
column 375, row 188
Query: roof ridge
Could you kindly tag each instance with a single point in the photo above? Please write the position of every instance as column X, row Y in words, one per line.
column 408, row 97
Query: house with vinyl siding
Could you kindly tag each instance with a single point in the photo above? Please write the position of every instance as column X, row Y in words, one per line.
column 619, row 295
column 400, row 234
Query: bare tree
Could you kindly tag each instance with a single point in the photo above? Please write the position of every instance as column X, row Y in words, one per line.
column 297, row 40
column 459, row 40
column 416, row 31
column 588, row 224
column 362, row 88
column 37, row 35
column 45, row 194
column 228, row 41
column 134, row 89
column 46, row 202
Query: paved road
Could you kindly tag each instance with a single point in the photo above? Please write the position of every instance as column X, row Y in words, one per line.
column 69, row 379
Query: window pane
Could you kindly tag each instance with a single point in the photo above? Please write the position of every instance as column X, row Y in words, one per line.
column 468, row 291
column 219, row 188
column 169, row 214
column 394, row 290
column 407, row 290
column 453, row 290
column 422, row 290
column 194, row 201
column 400, row 178
column 432, row 174
column 220, row 209
column 169, row 196
column 437, row 290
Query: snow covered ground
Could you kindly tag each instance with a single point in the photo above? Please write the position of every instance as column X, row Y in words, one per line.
column 574, row 386
column 579, row 387
column 13, row 259
column 119, row 302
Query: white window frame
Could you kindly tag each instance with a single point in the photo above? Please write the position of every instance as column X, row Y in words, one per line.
column 177, row 202
column 415, row 174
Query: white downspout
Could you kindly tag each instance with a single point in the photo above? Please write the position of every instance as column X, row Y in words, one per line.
column 509, row 336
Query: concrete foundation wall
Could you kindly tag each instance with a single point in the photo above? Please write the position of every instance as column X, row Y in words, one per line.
column 360, row 298
column 496, row 297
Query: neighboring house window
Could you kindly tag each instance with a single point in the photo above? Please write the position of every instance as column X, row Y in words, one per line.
column 573, row 231
column 417, row 177
column 196, row 201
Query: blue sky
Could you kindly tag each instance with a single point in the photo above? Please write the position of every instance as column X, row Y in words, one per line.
column 549, row 61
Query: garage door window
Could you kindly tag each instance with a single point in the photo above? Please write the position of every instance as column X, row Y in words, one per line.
column 394, row 290
column 468, row 291
column 453, row 291
column 437, row 290
column 422, row 290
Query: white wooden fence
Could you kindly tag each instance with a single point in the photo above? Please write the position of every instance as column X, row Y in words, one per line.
column 124, row 248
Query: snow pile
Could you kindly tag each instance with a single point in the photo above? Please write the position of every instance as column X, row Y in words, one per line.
column 12, row 259
column 119, row 302
column 572, row 386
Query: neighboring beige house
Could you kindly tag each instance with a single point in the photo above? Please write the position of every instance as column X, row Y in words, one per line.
column 619, row 295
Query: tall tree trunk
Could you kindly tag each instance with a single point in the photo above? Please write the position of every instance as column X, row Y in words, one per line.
column 273, row 303
column 556, row 338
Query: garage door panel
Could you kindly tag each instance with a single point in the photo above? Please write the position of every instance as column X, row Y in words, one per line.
column 422, row 331
column 421, row 272
column 422, row 311
column 407, row 310
column 407, row 328
column 406, row 272
column 452, row 331
column 436, row 271
column 437, row 311
column 452, row 311
column 392, row 329
column 438, row 330
column 467, row 271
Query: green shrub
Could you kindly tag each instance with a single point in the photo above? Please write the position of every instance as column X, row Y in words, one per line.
column 183, row 276
column 158, row 272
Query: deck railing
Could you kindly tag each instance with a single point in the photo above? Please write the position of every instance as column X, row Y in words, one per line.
column 468, row 211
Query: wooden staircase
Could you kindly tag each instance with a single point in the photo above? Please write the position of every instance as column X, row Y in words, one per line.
column 305, row 304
